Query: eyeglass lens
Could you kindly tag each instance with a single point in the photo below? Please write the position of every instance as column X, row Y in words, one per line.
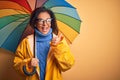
column 41, row 21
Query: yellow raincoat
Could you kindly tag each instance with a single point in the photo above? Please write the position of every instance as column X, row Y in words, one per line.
column 59, row 59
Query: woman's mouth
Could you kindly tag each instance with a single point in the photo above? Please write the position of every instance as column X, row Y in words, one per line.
column 44, row 29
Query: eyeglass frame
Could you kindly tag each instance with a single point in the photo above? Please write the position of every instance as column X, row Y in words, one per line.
column 41, row 21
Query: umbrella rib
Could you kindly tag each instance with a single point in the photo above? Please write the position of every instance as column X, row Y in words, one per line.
column 15, row 10
column 57, row 3
column 45, row 2
column 25, row 15
column 60, row 6
column 22, row 9
column 28, row 4
column 36, row 4
column 19, row 12
column 67, row 15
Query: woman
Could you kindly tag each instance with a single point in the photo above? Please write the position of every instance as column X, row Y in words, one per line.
column 51, row 50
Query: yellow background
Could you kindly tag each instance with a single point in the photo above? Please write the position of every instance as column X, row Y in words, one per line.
column 96, row 48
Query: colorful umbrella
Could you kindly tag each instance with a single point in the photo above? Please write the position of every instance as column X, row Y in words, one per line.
column 15, row 14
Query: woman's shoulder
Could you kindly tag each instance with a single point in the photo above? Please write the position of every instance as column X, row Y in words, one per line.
column 30, row 36
column 27, row 39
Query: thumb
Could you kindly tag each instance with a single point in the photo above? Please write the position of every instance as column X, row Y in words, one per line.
column 54, row 36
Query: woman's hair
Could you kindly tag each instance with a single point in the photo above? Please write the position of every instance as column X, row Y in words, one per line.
column 35, row 14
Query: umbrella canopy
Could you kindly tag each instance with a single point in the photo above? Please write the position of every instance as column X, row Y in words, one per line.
column 15, row 15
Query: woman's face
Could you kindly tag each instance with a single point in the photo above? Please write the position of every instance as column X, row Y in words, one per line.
column 43, row 22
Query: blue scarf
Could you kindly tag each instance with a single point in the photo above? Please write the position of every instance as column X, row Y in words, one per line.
column 42, row 48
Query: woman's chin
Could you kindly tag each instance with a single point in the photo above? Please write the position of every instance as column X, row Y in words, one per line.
column 44, row 32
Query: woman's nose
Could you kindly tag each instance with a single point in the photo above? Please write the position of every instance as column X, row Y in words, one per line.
column 44, row 23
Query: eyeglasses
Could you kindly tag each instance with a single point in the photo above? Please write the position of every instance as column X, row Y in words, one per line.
column 41, row 21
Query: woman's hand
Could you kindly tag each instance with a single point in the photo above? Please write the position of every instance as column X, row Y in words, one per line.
column 56, row 39
column 34, row 62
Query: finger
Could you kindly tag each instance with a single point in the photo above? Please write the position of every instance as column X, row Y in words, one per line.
column 34, row 64
column 54, row 36
column 37, row 60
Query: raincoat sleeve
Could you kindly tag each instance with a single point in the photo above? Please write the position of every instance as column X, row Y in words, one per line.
column 63, row 56
column 22, row 58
